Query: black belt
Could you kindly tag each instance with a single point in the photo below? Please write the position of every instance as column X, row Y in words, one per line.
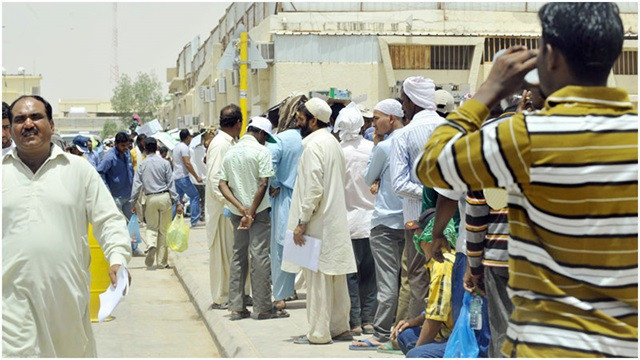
column 159, row 192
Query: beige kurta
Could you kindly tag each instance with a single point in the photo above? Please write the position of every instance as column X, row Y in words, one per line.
column 45, row 253
column 219, row 228
column 318, row 197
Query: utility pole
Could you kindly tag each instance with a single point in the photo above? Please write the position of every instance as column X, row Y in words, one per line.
column 244, row 37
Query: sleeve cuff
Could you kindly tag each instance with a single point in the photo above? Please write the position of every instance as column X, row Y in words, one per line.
column 117, row 259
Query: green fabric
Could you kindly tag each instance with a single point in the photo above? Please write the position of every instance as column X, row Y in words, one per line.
column 429, row 198
column 449, row 234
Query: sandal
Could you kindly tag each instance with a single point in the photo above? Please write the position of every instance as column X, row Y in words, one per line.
column 273, row 314
column 216, row 306
column 240, row 315
column 346, row 336
column 304, row 340
column 275, row 305
column 292, row 297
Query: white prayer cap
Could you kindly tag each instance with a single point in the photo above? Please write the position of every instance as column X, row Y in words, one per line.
column 349, row 122
column 390, row 107
column 263, row 124
column 420, row 91
column 319, row 109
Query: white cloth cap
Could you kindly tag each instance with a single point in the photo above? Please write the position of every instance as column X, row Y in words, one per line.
column 420, row 91
column 319, row 109
column 263, row 124
column 444, row 101
column 349, row 122
column 390, row 107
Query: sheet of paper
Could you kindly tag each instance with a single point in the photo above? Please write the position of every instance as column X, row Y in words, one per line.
column 306, row 256
column 111, row 298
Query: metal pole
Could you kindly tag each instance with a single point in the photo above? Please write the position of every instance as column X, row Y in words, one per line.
column 244, row 37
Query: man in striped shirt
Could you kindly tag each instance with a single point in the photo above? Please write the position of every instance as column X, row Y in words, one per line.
column 571, row 171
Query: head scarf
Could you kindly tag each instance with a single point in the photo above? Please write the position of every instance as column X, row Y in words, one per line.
column 390, row 107
column 287, row 112
column 349, row 122
column 421, row 92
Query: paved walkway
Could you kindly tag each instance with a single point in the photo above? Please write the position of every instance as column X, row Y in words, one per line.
column 250, row 338
column 156, row 319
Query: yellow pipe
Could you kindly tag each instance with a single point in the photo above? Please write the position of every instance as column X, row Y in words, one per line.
column 244, row 40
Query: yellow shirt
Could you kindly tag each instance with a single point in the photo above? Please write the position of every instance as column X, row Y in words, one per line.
column 439, row 296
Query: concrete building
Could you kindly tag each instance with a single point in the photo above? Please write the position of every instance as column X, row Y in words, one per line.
column 84, row 115
column 16, row 85
column 366, row 47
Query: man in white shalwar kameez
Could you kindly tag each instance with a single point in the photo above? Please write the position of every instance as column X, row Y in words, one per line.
column 318, row 209
column 48, row 199
column 219, row 228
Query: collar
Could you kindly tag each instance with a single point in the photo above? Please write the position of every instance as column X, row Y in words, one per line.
column 316, row 134
column 228, row 138
column 247, row 137
column 592, row 95
column 56, row 151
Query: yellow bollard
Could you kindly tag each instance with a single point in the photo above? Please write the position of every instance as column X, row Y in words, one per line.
column 100, row 281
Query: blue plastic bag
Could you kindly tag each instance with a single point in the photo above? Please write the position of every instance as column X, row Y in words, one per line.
column 134, row 229
column 462, row 342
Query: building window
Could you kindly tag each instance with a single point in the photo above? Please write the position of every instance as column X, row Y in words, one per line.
column 493, row 44
column 434, row 57
column 455, row 57
column 627, row 63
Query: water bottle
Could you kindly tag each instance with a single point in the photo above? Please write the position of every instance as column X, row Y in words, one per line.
column 475, row 312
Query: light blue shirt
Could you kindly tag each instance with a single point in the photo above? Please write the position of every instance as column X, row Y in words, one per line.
column 285, row 155
column 387, row 207
column 405, row 148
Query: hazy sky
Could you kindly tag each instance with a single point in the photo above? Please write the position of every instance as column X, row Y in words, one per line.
column 70, row 44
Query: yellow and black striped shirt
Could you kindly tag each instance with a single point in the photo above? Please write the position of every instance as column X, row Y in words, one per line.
column 571, row 171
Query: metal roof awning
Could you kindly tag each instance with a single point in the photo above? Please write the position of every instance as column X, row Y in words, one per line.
column 401, row 33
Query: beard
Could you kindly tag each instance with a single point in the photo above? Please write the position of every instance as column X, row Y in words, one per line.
column 305, row 130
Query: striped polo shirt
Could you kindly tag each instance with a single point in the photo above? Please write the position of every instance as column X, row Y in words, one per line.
column 487, row 234
column 571, row 171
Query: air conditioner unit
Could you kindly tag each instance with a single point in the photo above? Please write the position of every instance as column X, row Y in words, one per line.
column 235, row 78
column 212, row 93
column 266, row 50
column 202, row 92
column 180, row 121
column 195, row 120
column 188, row 120
column 222, row 85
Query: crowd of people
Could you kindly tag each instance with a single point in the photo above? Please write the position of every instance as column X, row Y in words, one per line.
column 526, row 199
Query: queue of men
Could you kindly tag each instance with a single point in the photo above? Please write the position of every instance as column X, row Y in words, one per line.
column 406, row 222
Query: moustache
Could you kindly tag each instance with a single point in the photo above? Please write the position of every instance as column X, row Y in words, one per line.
column 29, row 132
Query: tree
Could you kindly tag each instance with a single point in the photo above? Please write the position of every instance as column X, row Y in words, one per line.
column 142, row 96
column 110, row 128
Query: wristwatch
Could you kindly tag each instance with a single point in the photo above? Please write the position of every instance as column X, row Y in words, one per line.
column 300, row 222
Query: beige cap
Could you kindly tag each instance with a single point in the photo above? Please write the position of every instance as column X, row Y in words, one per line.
column 319, row 109
column 444, row 101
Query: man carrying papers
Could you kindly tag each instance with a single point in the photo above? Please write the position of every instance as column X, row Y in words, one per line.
column 318, row 210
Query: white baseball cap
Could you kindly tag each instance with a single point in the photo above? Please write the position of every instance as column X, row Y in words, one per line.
column 263, row 124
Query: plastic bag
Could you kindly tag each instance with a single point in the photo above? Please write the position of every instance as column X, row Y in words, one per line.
column 178, row 234
column 462, row 342
column 134, row 229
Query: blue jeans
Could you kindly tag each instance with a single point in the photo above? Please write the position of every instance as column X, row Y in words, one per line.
column 408, row 339
column 185, row 186
column 124, row 205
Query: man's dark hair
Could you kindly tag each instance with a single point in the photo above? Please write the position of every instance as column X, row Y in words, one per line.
column 335, row 110
column 184, row 134
column 122, row 137
column 150, row 144
column 141, row 138
column 47, row 106
column 164, row 150
column 307, row 114
column 230, row 115
column 321, row 125
column 5, row 110
column 588, row 34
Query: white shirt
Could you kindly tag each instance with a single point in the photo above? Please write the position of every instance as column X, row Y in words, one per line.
column 358, row 197
column 9, row 148
column 179, row 168
column 318, row 198
column 45, row 253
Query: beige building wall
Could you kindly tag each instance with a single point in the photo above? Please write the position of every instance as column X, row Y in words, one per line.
column 92, row 106
column 14, row 86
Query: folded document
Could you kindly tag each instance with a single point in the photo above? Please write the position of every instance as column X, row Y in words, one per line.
column 306, row 255
column 111, row 298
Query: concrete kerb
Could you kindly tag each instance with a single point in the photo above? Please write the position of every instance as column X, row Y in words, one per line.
column 231, row 341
